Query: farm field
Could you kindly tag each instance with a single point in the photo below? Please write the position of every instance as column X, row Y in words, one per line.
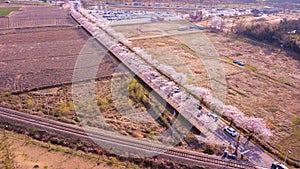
column 42, row 56
column 33, row 16
column 28, row 59
column 267, row 86
column 4, row 11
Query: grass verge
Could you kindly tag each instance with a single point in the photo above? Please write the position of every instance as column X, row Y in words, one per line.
column 7, row 11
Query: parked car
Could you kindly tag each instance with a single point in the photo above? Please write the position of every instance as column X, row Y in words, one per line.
column 230, row 131
column 239, row 63
column 213, row 116
column 277, row 165
column 176, row 89
column 231, row 156
column 199, row 107
column 183, row 28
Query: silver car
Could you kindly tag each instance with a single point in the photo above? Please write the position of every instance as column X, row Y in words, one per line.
column 230, row 131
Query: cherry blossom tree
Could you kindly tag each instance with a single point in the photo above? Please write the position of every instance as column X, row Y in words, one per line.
column 203, row 93
column 256, row 126
column 216, row 22
column 233, row 113
column 180, row 78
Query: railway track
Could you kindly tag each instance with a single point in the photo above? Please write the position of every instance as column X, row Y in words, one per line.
column 122, row 143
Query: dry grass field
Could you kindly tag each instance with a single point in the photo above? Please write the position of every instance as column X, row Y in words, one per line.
column 48, row 156
column 267, row 86
column 57, row 103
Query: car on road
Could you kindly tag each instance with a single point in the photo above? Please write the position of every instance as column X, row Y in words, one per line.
column 230, row 131
column 176, row 89
column 277, row 165
column 239, row 63
column 199, row 106
column 213, row 116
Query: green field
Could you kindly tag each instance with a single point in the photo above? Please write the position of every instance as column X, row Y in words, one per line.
column 6, row 11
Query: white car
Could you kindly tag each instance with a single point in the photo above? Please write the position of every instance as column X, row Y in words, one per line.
column 277, row 165
column 230, row 131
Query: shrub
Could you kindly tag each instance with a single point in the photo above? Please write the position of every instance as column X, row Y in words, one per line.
column 103, row 103
column 5, row 94
column 208, row 151
column 64, row 108
column 30, row 103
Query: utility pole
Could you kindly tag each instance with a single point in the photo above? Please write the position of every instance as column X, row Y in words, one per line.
column 237, row 144
column 287, row 152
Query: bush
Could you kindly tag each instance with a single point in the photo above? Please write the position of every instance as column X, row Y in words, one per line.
column 30, row 103
column 138, row 93
column 297, row 122
column 64, row 108
column 5, row 94
column 208, row 151
column 103, row 103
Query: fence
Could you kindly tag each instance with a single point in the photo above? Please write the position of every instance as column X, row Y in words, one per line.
column 3, row 22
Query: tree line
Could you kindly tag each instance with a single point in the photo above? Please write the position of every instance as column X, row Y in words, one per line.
column 286, row 33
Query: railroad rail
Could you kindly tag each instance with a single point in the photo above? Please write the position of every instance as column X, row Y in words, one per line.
column 122, row 143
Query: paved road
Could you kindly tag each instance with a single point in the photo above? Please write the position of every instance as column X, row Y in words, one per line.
column 253, row 153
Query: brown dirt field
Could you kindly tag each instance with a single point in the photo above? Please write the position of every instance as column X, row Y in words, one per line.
column 28, row 58
column 41, row 56
column 45, row 57
column 31, row 16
